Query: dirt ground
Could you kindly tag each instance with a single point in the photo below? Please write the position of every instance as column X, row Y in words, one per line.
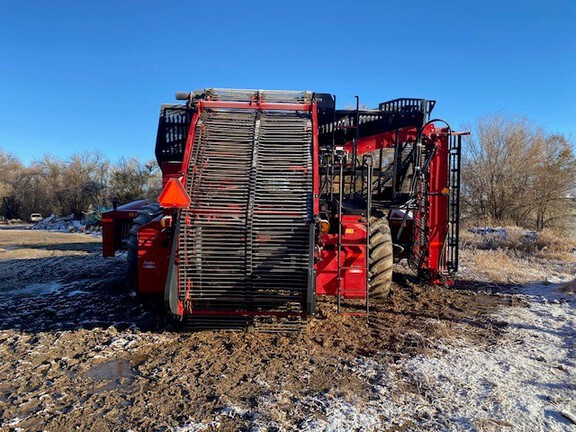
column 80, row 351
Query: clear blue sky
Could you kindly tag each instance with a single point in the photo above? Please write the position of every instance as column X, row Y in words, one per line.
column 85, row 75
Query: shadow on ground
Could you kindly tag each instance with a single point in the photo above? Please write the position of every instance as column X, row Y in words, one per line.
column 72, row 246
column 72, row 292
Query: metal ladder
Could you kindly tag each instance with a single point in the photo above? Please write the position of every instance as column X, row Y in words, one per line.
column 342, row 290
column 451, row 253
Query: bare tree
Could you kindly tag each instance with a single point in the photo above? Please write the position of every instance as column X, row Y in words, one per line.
column 131, row 179
column 77, row 183
column 52, row 185
column 515, row 171
column 554, row 180
column 34, row 194
column 11, row 172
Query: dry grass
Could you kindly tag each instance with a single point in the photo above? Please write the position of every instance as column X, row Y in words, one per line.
column 490, row 424
column 501, row 266
column 24, row 238
column 516, row 241
column 514, row 255
column 569, row 287
column 552, row 244
column 32, row 244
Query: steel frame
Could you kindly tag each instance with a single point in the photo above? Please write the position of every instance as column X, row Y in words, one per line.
column 204, row 105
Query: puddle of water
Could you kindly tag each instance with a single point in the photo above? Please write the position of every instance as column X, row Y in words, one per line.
column 115, row 374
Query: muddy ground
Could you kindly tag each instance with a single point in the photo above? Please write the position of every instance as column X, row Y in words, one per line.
column 79, row 351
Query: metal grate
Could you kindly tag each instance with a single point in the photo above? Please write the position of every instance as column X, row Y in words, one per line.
column 408, row 105
column 244, row 240
column 239, row 323
column 173, row 128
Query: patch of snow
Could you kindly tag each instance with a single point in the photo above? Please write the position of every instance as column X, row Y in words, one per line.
column 10, row 248
column 197, row 427
column 12, row 424
column 525, row 382
column 36, row 289
column 124, row 343
column 498, row 231
column 559, row 278
column 233, row 411
column 76, row 292
column 548, row 292
column 341, row 415
column 14, row 421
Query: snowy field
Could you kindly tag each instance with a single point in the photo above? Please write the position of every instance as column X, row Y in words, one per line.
column 525, row 382
column 79, row 351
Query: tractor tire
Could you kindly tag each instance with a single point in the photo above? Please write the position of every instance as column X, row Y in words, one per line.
column 381, row 258
column 145, row 215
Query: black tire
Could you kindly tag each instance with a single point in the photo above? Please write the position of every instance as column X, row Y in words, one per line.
column 381, row 258
column 145, row 215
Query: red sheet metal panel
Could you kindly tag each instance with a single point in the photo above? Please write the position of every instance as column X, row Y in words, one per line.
column 153, row 258
column 353, row 260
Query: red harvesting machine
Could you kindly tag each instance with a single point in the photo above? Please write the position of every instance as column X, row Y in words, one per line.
column 272, row 198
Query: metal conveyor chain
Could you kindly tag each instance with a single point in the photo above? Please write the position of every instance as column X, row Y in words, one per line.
column 244, row 240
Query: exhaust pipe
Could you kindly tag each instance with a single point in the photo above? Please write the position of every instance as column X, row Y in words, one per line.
column 183, row 96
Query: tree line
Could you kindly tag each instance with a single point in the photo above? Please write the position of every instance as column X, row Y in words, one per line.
column 74, row 185
column 513, row 171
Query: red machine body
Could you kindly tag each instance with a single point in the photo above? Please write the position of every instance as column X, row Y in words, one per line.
column 352, row 260
column 116, row 226
column 339, row 246
column 153, row 257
